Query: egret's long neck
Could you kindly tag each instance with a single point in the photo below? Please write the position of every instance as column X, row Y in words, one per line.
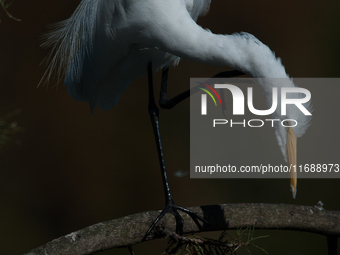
column 241, row 51
column 245, row 53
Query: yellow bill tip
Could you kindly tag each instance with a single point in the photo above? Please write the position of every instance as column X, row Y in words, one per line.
column 292, row 159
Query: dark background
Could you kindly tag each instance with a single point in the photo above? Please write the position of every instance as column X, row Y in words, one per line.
column 71, row 169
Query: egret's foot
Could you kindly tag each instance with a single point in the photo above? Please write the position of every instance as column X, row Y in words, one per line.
column 173, row 208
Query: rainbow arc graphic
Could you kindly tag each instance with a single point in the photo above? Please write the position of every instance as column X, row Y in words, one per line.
column 209, row 93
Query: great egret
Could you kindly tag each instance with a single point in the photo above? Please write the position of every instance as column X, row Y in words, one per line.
column 106, row 44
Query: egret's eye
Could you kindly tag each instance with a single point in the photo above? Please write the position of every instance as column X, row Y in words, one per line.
column 286, row 123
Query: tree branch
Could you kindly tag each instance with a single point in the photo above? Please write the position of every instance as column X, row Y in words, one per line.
column 130, row 230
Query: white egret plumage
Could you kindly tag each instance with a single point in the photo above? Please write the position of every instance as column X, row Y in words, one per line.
column 106, row 44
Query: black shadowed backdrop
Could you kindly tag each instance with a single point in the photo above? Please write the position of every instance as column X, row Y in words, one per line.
column 70, row 169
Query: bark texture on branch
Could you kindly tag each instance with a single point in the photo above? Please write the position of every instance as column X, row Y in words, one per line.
column 130, row 230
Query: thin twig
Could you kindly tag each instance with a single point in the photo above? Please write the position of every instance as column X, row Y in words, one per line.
column 4, row 7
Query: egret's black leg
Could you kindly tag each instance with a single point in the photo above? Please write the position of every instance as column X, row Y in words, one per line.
column 154, row 115
column 170, row 206
column 170, row 103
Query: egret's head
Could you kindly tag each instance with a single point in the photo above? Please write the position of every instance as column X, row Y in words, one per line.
column 291, row 126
